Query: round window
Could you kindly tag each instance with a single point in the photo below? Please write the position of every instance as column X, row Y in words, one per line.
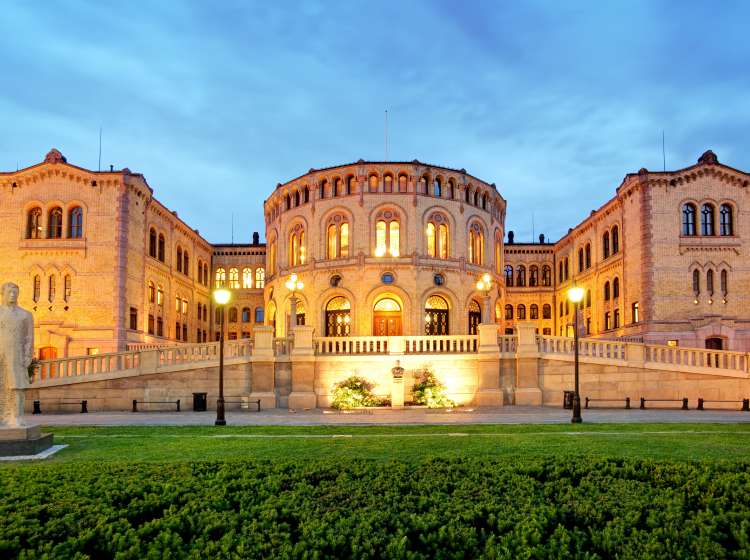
column 335, row 280
column 387, row 278
column 438, row 279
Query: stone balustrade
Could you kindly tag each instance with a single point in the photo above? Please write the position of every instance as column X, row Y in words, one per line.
column 695, row 359
column 82, row 366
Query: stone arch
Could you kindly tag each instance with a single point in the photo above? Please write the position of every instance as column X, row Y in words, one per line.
column 320, row 312
column 377, row 293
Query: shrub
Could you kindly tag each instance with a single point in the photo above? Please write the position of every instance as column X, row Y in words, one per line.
column 429, row 391
column 354, row 392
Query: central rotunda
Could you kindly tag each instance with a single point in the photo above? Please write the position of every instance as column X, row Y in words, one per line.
column 384, row 249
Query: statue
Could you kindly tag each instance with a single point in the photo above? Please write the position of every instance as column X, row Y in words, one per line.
column 16, row 354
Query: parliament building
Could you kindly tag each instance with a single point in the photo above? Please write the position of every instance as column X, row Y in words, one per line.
column 381, row 249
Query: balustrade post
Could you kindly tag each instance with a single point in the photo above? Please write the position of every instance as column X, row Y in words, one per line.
column 149, row 361
column 262, row 379
column 302, row 358
column 489, row 392
column 635, row 354
column 527, row 390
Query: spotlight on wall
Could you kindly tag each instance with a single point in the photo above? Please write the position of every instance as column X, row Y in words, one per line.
column 695, row 301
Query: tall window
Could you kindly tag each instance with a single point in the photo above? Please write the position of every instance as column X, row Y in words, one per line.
column 423, row 185
column 615, row 240
column 437, row 187
column 133, row 319
column 151, row 324
column 349, row 184
column 51, row 289
column 605, row 244
column 161, row 247
column 34, row 224
column 402, row 183
column 521, row 309
column 588, row 297
column 437, row 236
column 297, row 246
column 696, row 282
column 451, row 189
column 234, row 278
column 588, row 251
column 476, row 244
column 260, row 277
column 258, row 314
column 179, row 259
column 546, row 311
column 75, row 223
column 388, row 183
column 67, row 287
column 338, row 187
column 606, row 291
column 296, row 198
column 636, row 312
column 159, row 326
column 508, row 312
column 710, row 282
column 707, row 219
column 337, row 239
column 220, row 279
column 688, row 219
column 508, row 276
column 580, row 260
column 387, row 236
column 152, row 243
column 185, row 263
column 306, row 195
column 615, row 288
column 616, row 322
column 232, row 315
column 245, row 314
column 247, row 278
column 151, row 292
column 546, row 276
column 37, row 288
column 724, row 282
column 372, row 183
column 54, row 223
column 534, row 311
column 607, row 321
column 272, row 256
column 533, row 276
column 521, row 276
column 725, row 214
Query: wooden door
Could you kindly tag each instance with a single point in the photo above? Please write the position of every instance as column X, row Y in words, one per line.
column 386, row 323
column 48, row 353
column 714, row 343
column 475, row 317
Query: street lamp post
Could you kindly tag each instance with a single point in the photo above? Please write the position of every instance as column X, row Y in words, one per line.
column 575, row 295
column 484, row 284
column 221, row 297
column 293, row 285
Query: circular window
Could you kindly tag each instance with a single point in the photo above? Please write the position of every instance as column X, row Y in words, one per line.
column 387, row 278
column 335, row 280
column 438, row 279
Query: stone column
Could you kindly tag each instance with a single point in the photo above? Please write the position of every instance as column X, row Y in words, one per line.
column 489, row 392
column 527, row 389
column 303, row 369
column 263, row 369
column 292, row 311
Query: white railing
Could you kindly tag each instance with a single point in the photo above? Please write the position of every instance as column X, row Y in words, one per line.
column 141, row 346
column 87, row 365
column 507, row 343
column 447, row 344
column 696, row 358
column 587, row 347
column 282, row 346
column 351, row 345
column 205, row 352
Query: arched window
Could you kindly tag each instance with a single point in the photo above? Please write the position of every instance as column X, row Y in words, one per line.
column 387, row 232
column 508, row 276
column 221, row 278
column 373, row 183
column 388, row 183
column 521, row 276
column 288, row 202
column 205, row 274
column 423, row 185
column 323, row 188
column 580, row 259
column 306, row 195
column 349, row 184
column 162, row 246
column 247, row 278
column 533, row 275
column 159, row 295
column 37, row 288
column 696, row 282
column 546, row 276
column 508, row 312
column 560, row 277
column 51, row 288
column 234, row 278
column 562, row 309
column 476, row 244
column 588, row 297
column 272, row 256
column 521, row 310
column 534, row 311
column 232, row 314
column 151, row 292
column 605, row 244
column 245, row 314
column 152, row 243
column 34, row 224
column 724, row 282
column 588, row 251
column 67, row 287
column 476, row 198
column 615, row 240
column 260, row 278
column 484, row 201
column 546, row 311
column 296, row 198
column 615, row 288
column 54, row 223
column 297, row 246
column 710, row 282
column 436, row 316
column 75, row 222
column 402, row 183
column 437, row 187
column 179, row 259
column 688, row 219
column 725, row 214
column 338, row 187
column 337, row 238
column 258, row 314
column 338, row 317
column 707, row 219
column 451, row 189
column 185, row 263
column 565, row 268
column 606, row 291
column 437, row 236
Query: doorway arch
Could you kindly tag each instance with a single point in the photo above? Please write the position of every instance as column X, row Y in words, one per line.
column 338, row 317
column 475, row 316
column 386, row 317
column 436, row 321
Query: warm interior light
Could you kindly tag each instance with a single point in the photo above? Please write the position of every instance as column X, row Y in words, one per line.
column 575, row 294
column 487, row 278
column 347, row 319
column 222, row 296
column 427, row 318
column 480, row 285
column 289, row 285
column 293, row 277
column 300, row 285
column 394, row 252
column 379, row 252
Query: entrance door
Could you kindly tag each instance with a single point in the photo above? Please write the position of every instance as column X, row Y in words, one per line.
column 386, row 318
column 714, row 343
column 48, row 353
column 475, row 316
column 436, row 316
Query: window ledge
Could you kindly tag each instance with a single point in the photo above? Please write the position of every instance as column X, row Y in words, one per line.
column 62, row 244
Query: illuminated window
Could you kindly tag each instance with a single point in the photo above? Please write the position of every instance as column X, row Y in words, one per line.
column 388, row 183
column 51, row 289
column 402, row 183
column 34, row 224
column 67, row 287
column 247, row 278
column 37, row 288
column 476, row 244
column 272, row 257
column 337, row 239
column 508, row 276
column 437, row 236
column 387, row 239
column 373, row 183
column 260, row 277
column 220, row 279
column 160, row 296
column 636, row 314
column 234, row 278
column 297, row 246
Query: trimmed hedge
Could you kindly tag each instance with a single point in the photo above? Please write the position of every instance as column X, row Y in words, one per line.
column 438, row 508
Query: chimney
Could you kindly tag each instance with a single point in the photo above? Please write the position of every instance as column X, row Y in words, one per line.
column 111, row 167
column 541, row 238
column 256, row 238
column 511, row 235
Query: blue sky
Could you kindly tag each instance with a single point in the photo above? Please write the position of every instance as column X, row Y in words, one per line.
column 217, row 102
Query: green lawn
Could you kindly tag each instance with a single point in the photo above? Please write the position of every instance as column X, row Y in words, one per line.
column 406, row 443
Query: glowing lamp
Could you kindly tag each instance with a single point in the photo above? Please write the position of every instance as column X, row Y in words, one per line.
column 222, row 296
column 293, row 284
column 575, row 294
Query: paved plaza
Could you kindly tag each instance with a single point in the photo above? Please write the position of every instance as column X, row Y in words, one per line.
column 385, row 417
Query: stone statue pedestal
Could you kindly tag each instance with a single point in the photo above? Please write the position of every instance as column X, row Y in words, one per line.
column 23, row 440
